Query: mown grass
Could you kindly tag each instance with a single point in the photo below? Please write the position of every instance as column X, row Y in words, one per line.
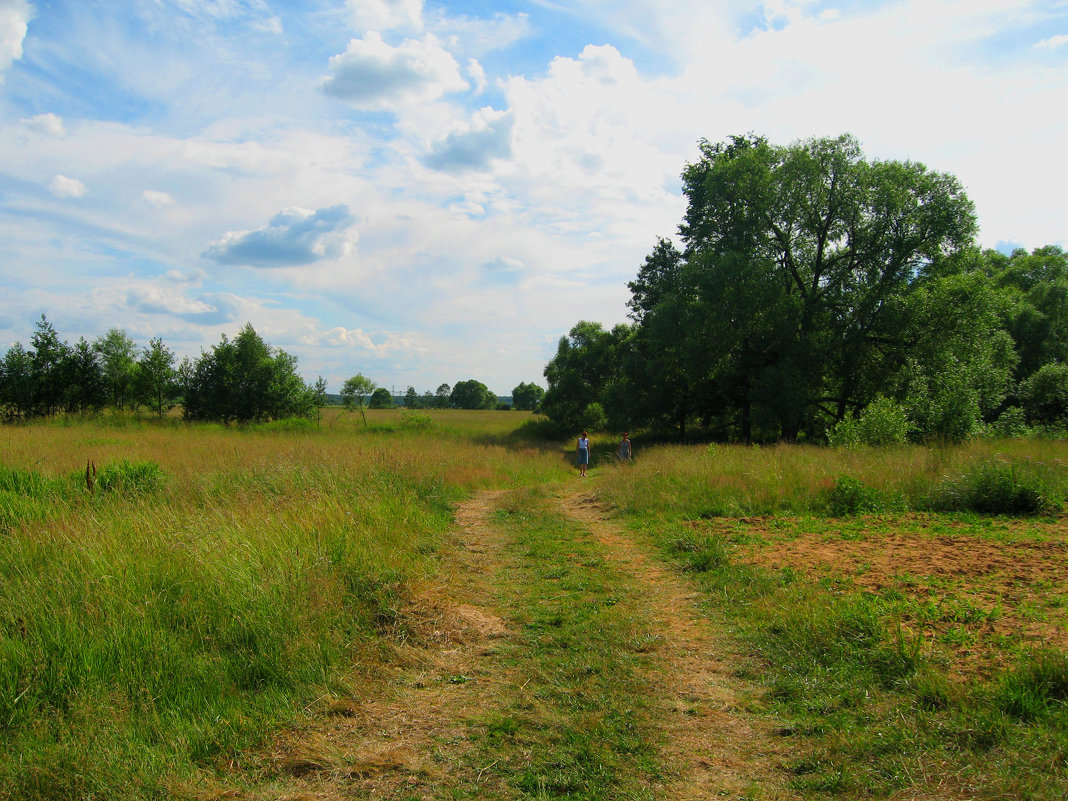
column 212, row 585
column 579, row 728
column 874, row 697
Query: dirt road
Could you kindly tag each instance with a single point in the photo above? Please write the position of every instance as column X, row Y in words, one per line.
column 418, row 731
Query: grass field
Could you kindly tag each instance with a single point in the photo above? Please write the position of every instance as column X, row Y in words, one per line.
column 209, row 593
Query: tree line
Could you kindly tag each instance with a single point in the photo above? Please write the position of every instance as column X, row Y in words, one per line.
column 239, row 380
column 820, row 296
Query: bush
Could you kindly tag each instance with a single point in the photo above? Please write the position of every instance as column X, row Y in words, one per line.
column 594, row 418
column 851, row 496
column 1011, row 423
column 882, row 422
column 1000, row 487
column 1045, row 394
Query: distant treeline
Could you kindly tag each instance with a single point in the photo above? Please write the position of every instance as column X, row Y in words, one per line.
column 820, row 296
column 238, row 380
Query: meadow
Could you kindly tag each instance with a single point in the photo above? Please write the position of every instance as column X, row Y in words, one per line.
column 165, row 618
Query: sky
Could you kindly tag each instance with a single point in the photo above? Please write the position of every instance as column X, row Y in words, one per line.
column 428, row 192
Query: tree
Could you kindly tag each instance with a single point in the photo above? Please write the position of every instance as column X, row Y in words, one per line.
column 16, row 383
column 83, row 379
column 318, row 398
column 527, row 397
column 48, row 355
column 832, row 240
column 1044, row 395
column 243, row 381
column 411, row 399
column 472, row 394
column 381, row 398
column 354, row 391
column 585, row 365
column 441, row 396
column 118, row 358
column 155, row 382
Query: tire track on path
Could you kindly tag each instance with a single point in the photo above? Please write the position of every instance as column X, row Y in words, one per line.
column 711, row 746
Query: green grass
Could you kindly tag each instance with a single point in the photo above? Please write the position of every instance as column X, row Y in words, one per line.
column 214, row 584
column 866, row 683
column 220, row 580
column 579, row 729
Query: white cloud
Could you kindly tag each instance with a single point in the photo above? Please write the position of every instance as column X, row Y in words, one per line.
column 293, row 237
column 49, row 124
column 1053, row 42
column 157, row 199
column 371, row 74
column 14, row 19
column 385, row 15
column 477, row 74
column 62, row 186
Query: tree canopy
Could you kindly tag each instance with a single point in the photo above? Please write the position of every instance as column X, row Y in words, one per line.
column 811, row 281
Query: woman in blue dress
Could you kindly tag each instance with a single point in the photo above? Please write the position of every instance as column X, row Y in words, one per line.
column 584, row 449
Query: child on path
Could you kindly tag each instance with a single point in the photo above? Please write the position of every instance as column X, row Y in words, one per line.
column 624, row 452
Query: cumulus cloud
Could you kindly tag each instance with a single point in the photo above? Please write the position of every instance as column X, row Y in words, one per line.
column 291, row 238
column 158, row 199
column 385, row 15
column 14, row 18
column 488, row 137
column 212, row 308
column 371, row 74
column 62, row 186
column 49, row 124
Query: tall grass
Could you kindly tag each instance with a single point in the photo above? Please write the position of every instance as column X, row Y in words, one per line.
column 212, row 586
column 1011, row 476
column 875, row 709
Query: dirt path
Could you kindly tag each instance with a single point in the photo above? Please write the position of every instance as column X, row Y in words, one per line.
column 713, row 748
column 411, row 738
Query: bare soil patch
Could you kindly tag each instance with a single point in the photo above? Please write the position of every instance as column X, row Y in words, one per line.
column 969, row 592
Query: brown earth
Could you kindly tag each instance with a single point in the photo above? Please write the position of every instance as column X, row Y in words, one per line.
column 983, row 589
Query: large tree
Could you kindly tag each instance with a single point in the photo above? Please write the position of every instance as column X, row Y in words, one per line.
column 472, row 394
column 527, row 397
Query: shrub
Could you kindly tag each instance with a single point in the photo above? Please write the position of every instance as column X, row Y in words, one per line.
column 999, row 486
column 1045, row 394
column 416, row 420
column 594, row 418
column 882, row 422
column 850, row 496
column 1011, row 423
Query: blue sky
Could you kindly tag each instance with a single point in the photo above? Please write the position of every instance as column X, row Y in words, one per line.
column 429, row 192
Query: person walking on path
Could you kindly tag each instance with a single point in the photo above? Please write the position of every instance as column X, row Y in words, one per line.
column 624, row 449
column 584, row 449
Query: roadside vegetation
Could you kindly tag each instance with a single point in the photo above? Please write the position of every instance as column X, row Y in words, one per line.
column 174, row 597
column 904, row 608
column 210, row 583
